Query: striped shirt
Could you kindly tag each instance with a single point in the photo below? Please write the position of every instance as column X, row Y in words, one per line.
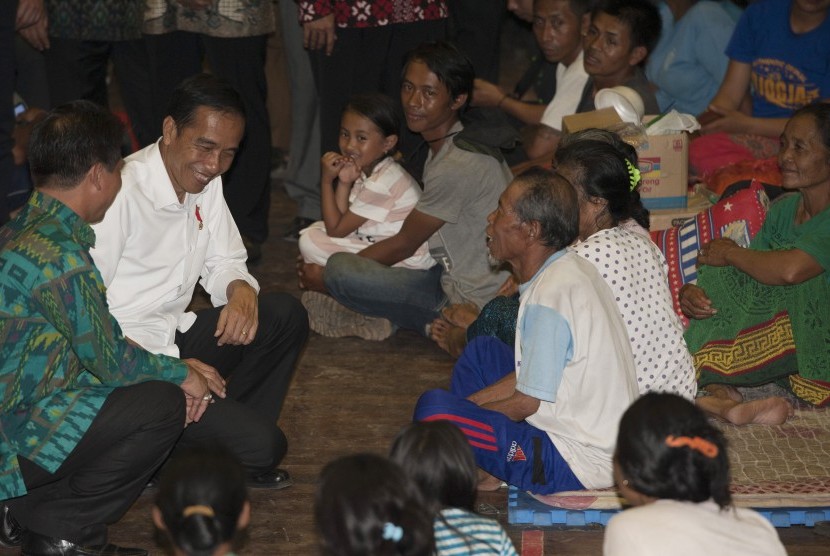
column 460, row 532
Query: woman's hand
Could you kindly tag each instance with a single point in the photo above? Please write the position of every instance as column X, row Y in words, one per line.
column 694, row 303
column 716, row 252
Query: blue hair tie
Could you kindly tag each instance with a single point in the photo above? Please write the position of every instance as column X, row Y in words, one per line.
column 392, row 532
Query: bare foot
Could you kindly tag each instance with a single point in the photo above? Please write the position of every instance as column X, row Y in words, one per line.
column 438, row 332
column 310, row 276
column 487, row 482
column 769, row 411
column 724, row 391
column 460, row 314
column 450, row 338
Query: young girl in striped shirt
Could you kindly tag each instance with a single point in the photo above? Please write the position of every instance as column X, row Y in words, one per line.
column 365, row 194
column 439, row 460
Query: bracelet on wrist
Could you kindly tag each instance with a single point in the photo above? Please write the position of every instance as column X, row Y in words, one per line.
column 498, row 105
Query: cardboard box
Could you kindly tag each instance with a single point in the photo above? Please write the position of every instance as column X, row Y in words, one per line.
column 662, row 219
column 601, row 119
column 663, row 160
column 664, row 171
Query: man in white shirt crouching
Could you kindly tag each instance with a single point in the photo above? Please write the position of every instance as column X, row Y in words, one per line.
column 169, row 228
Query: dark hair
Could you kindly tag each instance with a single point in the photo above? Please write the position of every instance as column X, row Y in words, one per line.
column 70, row 140
column 654, row 468
column 548, row 198
column 438, row 458
column 201, row 90
column 820, row 111
column 378, row 109
column 453, row 68
column 600, row 163
column 579, row 7
column 209, row 477
column 640, row 16
column 358, row 497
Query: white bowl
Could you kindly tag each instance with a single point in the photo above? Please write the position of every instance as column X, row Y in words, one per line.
column 626, row 101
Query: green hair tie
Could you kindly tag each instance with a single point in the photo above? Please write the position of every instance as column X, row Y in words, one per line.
column 633, row 174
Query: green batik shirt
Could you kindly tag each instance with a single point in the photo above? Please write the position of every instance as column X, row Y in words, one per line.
column 95, row 20
column 61, row 352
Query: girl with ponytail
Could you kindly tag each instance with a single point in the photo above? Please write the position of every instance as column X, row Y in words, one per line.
column 671, row 465
column 202, row 503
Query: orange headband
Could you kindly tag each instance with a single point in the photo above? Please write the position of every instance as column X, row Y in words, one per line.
column 198, row 509
column 705, row 447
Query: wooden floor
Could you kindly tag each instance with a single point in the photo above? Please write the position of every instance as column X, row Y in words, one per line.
column 352, row 395
column 348, row 396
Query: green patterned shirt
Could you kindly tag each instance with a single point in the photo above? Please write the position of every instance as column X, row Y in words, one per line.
column 95, row 20
column 61, row 352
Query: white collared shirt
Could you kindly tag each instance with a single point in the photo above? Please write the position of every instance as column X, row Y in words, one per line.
column 151, row 250
column 570, row 81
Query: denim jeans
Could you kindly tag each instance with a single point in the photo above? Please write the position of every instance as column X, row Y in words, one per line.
column 409, row 298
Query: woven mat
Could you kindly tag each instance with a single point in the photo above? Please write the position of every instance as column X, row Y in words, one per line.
column 772, row 467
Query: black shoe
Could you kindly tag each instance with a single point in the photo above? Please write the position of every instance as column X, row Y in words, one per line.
column 11, row 533
column 35, row 544
column 274, row 480
column 299, row 223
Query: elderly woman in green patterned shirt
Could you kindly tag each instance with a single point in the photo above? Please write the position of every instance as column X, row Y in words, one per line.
column 761, row 314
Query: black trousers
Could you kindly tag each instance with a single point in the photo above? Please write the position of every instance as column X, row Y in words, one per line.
column 177, row 55
column 8, row 12
column 366, row 60
column 127, row 441
column 258, row 377
column 476, row 30
column 77, row 69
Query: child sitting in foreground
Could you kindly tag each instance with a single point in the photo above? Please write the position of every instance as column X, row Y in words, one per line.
column 437, row 457
column 365, row 194
column 366, row 506
column 671, row 465
column 202, row 503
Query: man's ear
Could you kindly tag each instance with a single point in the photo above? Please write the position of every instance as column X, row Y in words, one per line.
column 459, row 101
column 168, row 130
column 638, row 54
column 534, row 230
column 94, row 175
column 585, row 24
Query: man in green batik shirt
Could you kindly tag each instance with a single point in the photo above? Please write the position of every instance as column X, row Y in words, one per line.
column 85, row 417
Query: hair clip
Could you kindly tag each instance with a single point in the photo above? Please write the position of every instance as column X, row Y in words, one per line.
column 633, row 174
column 199, row 509
column 705, row 447
column 392, row 532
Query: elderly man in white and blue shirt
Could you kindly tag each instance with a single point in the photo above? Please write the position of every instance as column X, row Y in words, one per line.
column 542, row 415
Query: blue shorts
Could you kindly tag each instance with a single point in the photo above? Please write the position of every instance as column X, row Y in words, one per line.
column 517, row 453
